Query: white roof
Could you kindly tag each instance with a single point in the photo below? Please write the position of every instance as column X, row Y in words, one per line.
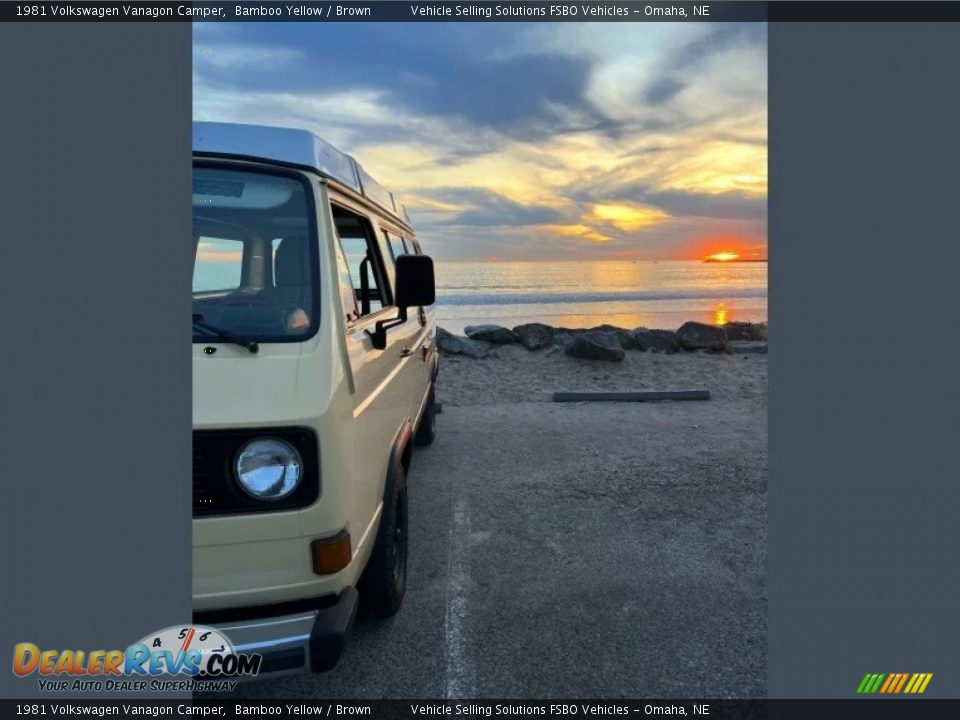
column 294, row 147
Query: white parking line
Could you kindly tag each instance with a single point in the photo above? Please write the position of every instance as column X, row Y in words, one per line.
column 460, row 677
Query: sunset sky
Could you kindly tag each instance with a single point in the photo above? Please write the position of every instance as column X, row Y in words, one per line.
column 516, row 141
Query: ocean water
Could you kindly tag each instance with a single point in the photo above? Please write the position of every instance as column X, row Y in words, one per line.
column 629, row 294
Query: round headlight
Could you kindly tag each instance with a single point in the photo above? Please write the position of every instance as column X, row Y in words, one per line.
column 268, row 468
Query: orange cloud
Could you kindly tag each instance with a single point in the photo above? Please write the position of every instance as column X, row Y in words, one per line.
column 628, row 217
column 587, row 233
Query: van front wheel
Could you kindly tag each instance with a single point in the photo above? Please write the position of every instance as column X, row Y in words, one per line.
column 384, row 581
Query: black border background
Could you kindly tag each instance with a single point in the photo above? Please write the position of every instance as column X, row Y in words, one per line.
column 863, row 198
column 96, row 408
column 864, row 261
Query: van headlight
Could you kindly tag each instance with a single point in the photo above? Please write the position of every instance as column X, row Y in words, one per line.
column 268, row 468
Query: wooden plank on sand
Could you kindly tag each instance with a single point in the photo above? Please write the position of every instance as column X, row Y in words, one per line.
column 646, row 396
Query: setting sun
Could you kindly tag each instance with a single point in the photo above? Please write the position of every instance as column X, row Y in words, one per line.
column 724, row 256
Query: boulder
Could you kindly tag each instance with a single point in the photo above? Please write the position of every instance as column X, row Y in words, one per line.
column 490, row 333
column 624, row 337
column 746, row 331
column 605, row 328
column 699, row 336
column 455, row 345
column 534, row 336
column 655, row 340
column 630, row 340
column 562, row 337
column 596, row 346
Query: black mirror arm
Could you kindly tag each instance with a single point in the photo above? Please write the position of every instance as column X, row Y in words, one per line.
column 379, row 333
column 365, row 285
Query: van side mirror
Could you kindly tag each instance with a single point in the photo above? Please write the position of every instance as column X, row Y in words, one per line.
column 414, row 286
column 415, row 282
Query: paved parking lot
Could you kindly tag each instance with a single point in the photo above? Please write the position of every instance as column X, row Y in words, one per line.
column 575, row 551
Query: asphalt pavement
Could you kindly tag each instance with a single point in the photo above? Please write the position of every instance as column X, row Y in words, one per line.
column 600, row 550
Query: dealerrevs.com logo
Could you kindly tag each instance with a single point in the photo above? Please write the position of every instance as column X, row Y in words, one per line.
column 176, row 658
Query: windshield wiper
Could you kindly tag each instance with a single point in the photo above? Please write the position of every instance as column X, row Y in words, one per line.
column 250, row 345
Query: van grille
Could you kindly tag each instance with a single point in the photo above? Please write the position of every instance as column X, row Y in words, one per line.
column 200, row 494
column 216, row 491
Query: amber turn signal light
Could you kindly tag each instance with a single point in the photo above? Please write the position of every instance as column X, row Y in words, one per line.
column 331, row 554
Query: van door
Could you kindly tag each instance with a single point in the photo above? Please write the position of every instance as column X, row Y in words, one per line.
column 383, row 394
column 421, row 372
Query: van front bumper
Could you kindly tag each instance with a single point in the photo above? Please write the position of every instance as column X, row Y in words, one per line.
column 306, row 641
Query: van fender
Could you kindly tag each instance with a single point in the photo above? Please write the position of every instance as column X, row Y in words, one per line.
column 400, row 452
column 401, row 449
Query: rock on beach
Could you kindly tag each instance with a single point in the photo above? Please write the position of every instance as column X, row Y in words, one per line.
column 455, row 345
column 607, row 342
column 699, row 336
column 490, row 333
column 534, row 336
column 596, row 346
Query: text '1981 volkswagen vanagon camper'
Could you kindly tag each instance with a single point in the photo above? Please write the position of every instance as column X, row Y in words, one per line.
column 314, row 364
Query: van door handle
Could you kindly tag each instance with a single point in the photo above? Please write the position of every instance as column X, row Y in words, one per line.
column 406, row 352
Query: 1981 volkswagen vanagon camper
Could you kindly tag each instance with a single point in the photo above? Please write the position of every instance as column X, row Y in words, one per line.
column 313, row 371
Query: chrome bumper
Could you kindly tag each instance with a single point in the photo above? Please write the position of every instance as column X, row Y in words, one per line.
column 310, row 641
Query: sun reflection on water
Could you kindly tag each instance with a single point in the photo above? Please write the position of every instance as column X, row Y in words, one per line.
column 720, row 314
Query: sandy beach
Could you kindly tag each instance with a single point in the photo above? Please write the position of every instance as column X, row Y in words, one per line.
column 513, row 374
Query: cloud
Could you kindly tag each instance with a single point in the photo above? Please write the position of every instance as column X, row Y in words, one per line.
column 439, row 71
column 505, row 212
column 478, row 207
column 727, row 205
column 577, row 231
column 663, row 90
column 519, row 139
column 628, row 218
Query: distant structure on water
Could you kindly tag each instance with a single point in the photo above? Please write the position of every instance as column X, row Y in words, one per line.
column 735, row 260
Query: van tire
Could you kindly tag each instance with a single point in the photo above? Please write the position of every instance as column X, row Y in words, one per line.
column 427, row 429
column 384, row 580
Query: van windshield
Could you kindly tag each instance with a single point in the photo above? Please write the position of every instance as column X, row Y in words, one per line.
column 255, row 256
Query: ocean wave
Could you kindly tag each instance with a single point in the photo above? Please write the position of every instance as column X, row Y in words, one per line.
column 597, row 297
column 525, row 286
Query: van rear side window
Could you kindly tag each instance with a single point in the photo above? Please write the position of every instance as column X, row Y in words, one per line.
column 396, row 244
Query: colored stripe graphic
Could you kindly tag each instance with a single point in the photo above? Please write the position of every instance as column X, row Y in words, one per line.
column 894, row 683
column 903, row 679
column 870, row 683
column 895, row 679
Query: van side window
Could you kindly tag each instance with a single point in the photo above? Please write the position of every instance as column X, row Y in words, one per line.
column 360, row 248
column 348, row 296
column 396, row 244
column 394, row 247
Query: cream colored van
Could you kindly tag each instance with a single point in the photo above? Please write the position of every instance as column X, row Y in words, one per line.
column 314, row 365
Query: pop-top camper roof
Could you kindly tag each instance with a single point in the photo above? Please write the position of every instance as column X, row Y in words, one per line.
column 294, row 147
